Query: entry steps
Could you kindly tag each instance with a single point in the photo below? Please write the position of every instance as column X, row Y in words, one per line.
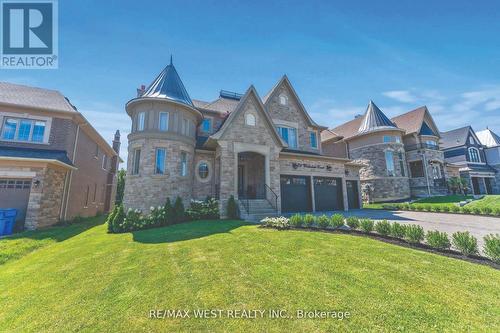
column 258, row 209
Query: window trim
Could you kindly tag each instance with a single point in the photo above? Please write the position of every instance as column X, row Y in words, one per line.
column 136, row 163
column 104, row 162
column 284, row 98
column 167, row 122
column 184, row 164
column 280, row 127
column 391, row 172
column 209, row 167
column 33, row 119
column 470, row 149
column 141, row 120
column 250, row 114
column 315, row 135
column 164, row 171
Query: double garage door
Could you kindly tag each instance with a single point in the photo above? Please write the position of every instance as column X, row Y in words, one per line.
column 15, row 193
column 296, row 193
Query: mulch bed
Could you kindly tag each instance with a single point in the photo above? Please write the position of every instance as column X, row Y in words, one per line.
column 476, row 259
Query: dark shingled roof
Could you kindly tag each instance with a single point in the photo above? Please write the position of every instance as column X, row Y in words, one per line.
column 454, row 138
column 287, row 150
column 46, row 154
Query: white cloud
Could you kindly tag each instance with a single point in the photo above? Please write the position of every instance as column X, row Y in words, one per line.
column 403, row 96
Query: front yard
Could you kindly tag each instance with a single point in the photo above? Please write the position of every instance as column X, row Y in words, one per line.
column 81, row 278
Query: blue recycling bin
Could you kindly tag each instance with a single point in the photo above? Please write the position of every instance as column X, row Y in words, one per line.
column 7, row 221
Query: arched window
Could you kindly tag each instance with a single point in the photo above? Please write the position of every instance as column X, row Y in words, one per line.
column 283, row 100
column 250, row 119
column 474, row 155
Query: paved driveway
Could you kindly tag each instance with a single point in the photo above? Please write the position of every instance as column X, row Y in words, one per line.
column 479, row 226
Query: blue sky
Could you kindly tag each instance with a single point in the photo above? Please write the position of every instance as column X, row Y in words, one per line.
column 337, row 54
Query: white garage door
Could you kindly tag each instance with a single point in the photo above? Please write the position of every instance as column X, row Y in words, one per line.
column 15, row 193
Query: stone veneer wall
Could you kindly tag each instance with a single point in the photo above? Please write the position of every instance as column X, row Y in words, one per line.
column 418, row 186
column 45, row 201
column 374, row 175
column 203, row 188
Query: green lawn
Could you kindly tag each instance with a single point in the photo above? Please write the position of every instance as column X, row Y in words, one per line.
column 493, row 201
column 87, row 280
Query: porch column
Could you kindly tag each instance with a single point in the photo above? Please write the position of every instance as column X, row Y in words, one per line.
column 311, row 188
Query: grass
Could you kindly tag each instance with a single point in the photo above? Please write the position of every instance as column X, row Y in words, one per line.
column 492, row 201
column 445, row 200
column 93, row 281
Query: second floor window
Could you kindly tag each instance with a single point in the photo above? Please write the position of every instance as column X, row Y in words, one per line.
column 183, row 164
column 23, row 130
column 431, row 143
column 401, row 164
column 289, row 135
column 474, row 155
column 389, row 162
column 104, row 161
column 163, row 121
column 206, row 125
column 314, row 140
column 136, row 161
column 161, row 155
column 141, row 117
column 389, row 138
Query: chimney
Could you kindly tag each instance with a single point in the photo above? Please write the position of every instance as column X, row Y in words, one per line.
column 116, row 148
column 140, row 91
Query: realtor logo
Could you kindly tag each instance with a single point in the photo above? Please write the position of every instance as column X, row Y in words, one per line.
column 29, row 34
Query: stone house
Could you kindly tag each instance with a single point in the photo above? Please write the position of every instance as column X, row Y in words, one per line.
column 53, row 164
column 266, row 152
column 463, row 147
column 401, row 155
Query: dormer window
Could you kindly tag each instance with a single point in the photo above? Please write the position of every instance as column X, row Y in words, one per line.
column 206, row 125
column 249, row 119
column 474, row 155
column 283, row 100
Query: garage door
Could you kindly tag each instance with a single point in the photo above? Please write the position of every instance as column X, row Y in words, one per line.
column 328, row 194
column 352, row 194
column 14, row 193
column 295, row 194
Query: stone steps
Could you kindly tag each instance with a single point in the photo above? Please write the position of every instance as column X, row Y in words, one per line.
column 258, row 209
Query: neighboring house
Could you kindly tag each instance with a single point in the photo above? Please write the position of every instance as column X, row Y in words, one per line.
column 491, row 142
column 401, row 155
column 53, row 164
column 265, row 152
column 462, row 147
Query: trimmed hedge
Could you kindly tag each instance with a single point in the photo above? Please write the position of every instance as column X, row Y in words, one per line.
column 442, row 208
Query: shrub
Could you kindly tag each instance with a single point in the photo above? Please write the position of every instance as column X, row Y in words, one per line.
column 110, row 218
column 232, row 209
column 337, row 220
column 486, row 210
column 118, row 219
column 465, row 243
column 445, row 208
column 438, row 240
column 156, row 216
column 496, row 211
column 414, row 233
column 455, row 209
column 179, row 212
column 411, row 207
column 323, row 221
column 427, row 207
column 436, row 208
column 383, row 228
column 309, row 220
column 169, row 213
column 296, row 220
column 352, row 222
column 476, row 210
column 398, row 230
column 203, row 210
column 419, row 208
column 276, row 222
column 466, row 210
column 405, row 206
column 366, row 225
column 492, row 247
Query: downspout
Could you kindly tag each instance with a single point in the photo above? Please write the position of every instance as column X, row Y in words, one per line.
column 71, row 172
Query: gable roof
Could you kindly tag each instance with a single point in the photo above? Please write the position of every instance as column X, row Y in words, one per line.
column 32, row 97
column 284, row 81
column 349, row 128
column 413, row 120
column 457, row 137
column 168, row 85
column 250, row 92
column 328, row 135
column 374, row 119
column 488, row 138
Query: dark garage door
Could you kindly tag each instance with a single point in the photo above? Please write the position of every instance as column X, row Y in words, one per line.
column 352, row 194
column 14, row 193
column 328, row 194
column 295, row 194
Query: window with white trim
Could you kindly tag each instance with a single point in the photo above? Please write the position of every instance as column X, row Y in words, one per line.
column 283, row 100
column 389, row 162
column 289, row 135
column 250, row 119
column 22, row 129
column 183, row 164
column 141, row 118
column 474, row 155
column 161, row 155
column 163, row 121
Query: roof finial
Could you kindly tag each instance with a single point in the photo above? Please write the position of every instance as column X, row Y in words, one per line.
column 171, row 63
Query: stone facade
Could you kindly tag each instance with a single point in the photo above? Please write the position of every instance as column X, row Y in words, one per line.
column 431, row 183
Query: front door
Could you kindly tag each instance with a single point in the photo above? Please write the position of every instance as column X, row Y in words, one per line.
column 352, row 194
column 241, row 181
column 487, row 182
column 475, row 185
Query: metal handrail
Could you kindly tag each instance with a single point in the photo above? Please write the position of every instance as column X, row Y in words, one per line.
column 273, row 195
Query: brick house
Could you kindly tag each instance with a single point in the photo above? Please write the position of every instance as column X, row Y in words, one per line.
column 53, row 164
column 266, row 152
column 402, row 155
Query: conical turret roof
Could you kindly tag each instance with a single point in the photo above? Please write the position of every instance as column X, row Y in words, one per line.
column 168, row 85
column 374, row 119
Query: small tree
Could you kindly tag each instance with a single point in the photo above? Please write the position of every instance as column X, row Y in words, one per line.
column 464, row 185
column 118, row 219
column 110, row 219
column 169, row 213
column 454, row 184
column 120, row 187
column 232, row 209
column 179, row 212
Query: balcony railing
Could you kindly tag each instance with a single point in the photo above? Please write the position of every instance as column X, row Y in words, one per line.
column 421, row 146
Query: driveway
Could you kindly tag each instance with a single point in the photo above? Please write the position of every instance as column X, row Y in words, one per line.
column 478, row 226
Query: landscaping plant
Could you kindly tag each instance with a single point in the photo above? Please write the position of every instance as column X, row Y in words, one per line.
column 169, row 213
column 492, row 247
column 465, row 243
column 309, row 220
column 279, row 223
column 179, row 212
column 398, row 230
column 465, row 210
column 496, row 211
column 118, row 219
column 438, row 240
column 414, row 233
column 445, row 208
column 352, row 222
column 296, row 221
column 486, row 210
column 110, row 218
column 476, row 210
column 232, row 208
column 337, row 220
column 366, row 225
column 383, row 228
column 323, row 221
column 455, row 209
